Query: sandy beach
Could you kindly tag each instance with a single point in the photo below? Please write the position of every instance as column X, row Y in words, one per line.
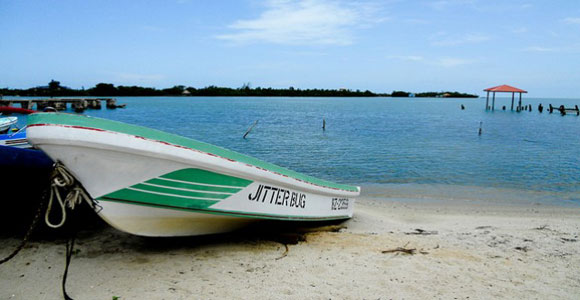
column 391, row 249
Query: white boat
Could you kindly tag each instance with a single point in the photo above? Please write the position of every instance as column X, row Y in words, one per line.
column 152, row 183
column 6, row 122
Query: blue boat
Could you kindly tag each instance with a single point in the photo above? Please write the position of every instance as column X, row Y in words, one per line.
column 24, row 159
column 15, row 139
column 16, row 152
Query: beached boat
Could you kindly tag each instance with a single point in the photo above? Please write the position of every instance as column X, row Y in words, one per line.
column 6, row 122
column 17, row 153
column 152, row 183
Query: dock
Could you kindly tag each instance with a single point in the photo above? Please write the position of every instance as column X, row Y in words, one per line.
column 77, row 104
column 564, row 110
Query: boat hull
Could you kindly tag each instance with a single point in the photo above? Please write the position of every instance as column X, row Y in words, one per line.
column 152, row 187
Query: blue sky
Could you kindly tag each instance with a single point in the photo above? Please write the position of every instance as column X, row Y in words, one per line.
column 463, row 45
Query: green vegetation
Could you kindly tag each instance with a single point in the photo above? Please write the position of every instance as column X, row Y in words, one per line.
column 446, row 95
column 400, row 94
column 54, row 89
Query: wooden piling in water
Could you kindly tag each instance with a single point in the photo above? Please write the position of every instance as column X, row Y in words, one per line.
column 58, row 105
column 80, row 106
column 250, row 129
column 94, row 104
column 26, row 105
column 41, row 105
column 111, row 103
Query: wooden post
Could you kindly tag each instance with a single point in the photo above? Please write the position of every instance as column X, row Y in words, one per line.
column 250, row 129
column 96, row 104
column 493, row 102
column 41, row 105
column 513, row 100
column 80, row 105
column 111, row 103
column 59, row 105
column 520, row 103
column 487, row 101
column 26, row 104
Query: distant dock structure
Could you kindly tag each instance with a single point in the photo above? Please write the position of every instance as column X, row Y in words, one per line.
column 503, row 89
column 77, row 104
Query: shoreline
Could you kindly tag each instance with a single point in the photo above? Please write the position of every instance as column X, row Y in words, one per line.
column 467, row 251
column 454, row 194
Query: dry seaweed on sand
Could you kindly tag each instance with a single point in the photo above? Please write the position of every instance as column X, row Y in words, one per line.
column 419, row 231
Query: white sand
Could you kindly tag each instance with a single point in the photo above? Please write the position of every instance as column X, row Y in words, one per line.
column 477, row 252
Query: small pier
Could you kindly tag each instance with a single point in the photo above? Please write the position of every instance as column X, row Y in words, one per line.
column 565, row 110
column 77, row 104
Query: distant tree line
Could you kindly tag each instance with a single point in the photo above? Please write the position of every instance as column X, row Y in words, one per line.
column 55, row 89
column 433, row 94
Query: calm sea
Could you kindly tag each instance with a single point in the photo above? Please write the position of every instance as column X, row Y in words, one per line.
column 420, row 148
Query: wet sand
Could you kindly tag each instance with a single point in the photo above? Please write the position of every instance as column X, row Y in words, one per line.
column 464, row 251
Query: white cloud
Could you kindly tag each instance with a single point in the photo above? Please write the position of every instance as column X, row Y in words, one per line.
column 450, row 62
column 417, row 21
column 153, row 28
column 407, row 57
column 571, row 20
column 446, row 62
column 443, row 39
column 446, row 4
column 305, row 22
column 519, row 30
column 540, row 49
column 439, row 5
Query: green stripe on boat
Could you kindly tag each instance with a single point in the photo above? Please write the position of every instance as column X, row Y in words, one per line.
column 158, row 199
column 206, row 177
column 152, row 134
column 166, row 190
column 192, row 186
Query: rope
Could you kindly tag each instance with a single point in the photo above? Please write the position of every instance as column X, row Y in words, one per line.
column 60, row 179
column 68, row 255
column 63, row 180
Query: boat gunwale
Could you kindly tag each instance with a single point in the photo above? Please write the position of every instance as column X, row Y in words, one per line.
column 268, row 167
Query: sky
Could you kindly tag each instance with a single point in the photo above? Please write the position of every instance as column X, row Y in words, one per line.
column 416, row 46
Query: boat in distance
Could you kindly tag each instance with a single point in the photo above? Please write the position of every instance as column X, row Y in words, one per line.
column 6, row 122
column 151, row 183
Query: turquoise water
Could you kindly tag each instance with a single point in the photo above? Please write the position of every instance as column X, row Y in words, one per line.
column 389, row 142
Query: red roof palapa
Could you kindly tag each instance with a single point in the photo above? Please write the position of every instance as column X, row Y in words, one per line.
column 504, row 89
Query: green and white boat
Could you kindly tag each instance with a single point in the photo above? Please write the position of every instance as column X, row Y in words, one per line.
column 153, row 183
